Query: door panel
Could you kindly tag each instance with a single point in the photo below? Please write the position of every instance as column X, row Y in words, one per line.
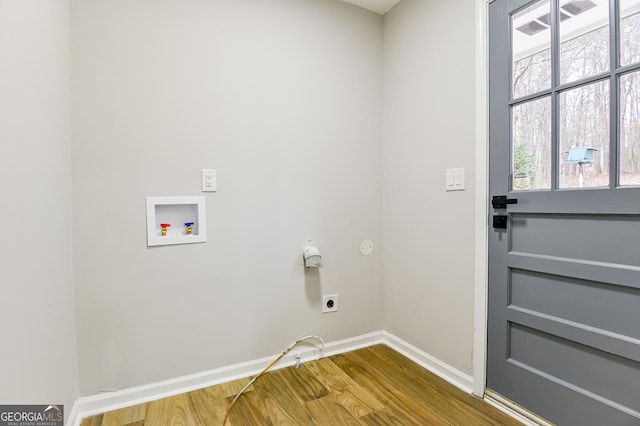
column 613, row 239
column 564, row 277
column 578, row 301
column 616, row 378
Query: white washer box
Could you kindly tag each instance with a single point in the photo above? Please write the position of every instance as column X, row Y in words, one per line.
column 175, row 211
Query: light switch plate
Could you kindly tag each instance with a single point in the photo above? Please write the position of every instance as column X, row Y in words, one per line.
column 455, row 179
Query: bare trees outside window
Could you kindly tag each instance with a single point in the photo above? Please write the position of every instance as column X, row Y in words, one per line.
column 588, row 77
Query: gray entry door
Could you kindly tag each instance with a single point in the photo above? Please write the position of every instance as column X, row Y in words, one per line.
column 564, row 271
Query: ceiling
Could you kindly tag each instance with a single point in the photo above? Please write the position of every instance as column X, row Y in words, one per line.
column 378, row 6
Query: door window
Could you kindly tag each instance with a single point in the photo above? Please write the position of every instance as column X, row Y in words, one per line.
column 630, row 128
column 532, row 149
column 575, row 97
column 584, row 39
column 629, row 32
column 531, row 49
column 584, row 136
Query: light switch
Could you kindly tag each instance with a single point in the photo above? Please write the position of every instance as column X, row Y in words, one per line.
column 455, row 179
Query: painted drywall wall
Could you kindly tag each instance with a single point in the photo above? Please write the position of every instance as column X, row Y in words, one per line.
column 428, row 242
column 283, row 99
column 36, row 310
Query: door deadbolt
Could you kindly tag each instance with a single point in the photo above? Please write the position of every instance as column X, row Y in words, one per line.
column 500, row 221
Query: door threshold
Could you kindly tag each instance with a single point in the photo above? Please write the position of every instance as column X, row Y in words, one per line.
column 518, row 412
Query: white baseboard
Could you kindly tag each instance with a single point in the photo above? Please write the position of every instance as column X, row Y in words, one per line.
column 437, row 367
column 97, row 404
column 73, row 417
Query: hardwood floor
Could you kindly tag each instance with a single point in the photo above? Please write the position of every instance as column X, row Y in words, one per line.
column 370, row 386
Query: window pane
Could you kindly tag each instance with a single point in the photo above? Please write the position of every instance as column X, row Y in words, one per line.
column 531, row 59
column 584, row 136
column 531, row 145
column 629, row 32
column 584, row 39
column 630, row 129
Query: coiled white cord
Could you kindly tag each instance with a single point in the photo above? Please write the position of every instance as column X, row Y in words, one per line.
column 252, row 381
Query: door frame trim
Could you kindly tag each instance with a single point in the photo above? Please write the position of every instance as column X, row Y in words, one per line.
column 479, row 357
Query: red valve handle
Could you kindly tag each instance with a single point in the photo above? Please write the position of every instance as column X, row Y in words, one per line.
column 165, row 225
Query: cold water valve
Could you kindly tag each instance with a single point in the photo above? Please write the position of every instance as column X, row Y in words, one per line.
column 189, row 226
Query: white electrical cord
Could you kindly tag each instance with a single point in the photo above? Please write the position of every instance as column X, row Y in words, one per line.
column 252, row 381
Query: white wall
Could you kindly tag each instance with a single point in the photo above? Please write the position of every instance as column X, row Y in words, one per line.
column 36, row 309
column 428, row 270
column 284, row 99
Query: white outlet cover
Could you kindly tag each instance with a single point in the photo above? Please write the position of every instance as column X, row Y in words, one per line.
column 366, row 247
column 209, row 180
column 327, row 298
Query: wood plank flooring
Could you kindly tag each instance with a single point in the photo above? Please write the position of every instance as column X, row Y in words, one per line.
column 370, row 386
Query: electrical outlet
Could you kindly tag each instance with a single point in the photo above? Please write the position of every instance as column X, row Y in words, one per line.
column 209, row 180
column 329, row 303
